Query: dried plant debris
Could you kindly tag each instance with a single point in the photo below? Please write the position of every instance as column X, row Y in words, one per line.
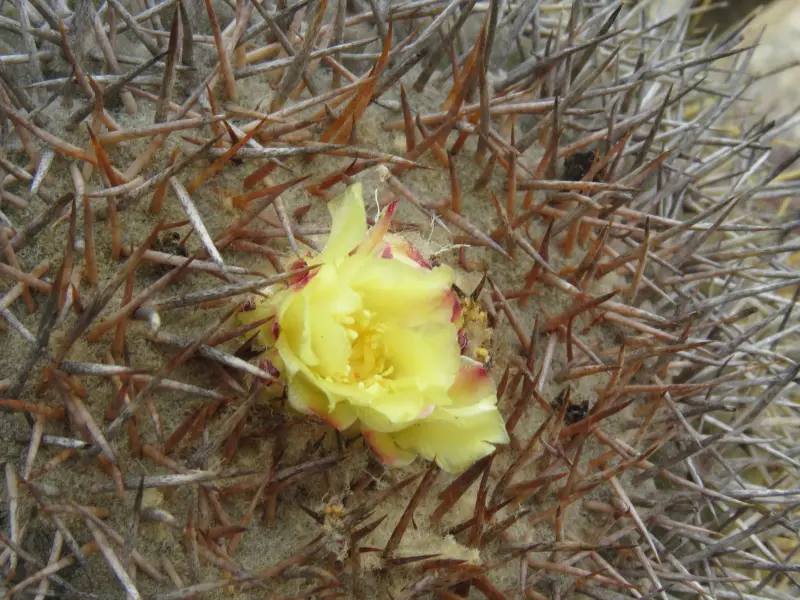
column 626, row 251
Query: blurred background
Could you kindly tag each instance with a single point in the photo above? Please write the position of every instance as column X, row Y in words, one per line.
column 776, row 61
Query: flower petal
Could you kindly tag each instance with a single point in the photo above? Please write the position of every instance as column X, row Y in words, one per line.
column 333, row 294
column 349, row 224
column 298, row 282
column 310, row 399
column 390, row 411
column 472, row 383
column 398, row 291
column 261, row 311
column 342, row 416
column 455, row 443
column 329, row 343
column 330, row 301
column 377, row 232
column 429, row 355
column 372, row 341
column 406, row 252
column 295, row 326
column 305, row 397
column 389, row 453
column 310, row 325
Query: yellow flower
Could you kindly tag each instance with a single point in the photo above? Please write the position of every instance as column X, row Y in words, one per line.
column 370, row 338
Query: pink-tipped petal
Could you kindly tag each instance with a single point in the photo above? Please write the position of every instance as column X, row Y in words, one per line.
column 472, row 383
column 406, row 252
column 416, row 256
column 455, row 443
column 306, row 397
column 266, row 365
column 342, row 416
column 298, row 282
column 390, row 453
column 463, row 340
column 452, row 297
column 378, row 231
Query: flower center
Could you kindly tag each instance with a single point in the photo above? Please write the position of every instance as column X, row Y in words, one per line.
column 368, row 363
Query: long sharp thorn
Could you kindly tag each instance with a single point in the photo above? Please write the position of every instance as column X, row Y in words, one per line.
column 405, row 519
column 293, row 74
